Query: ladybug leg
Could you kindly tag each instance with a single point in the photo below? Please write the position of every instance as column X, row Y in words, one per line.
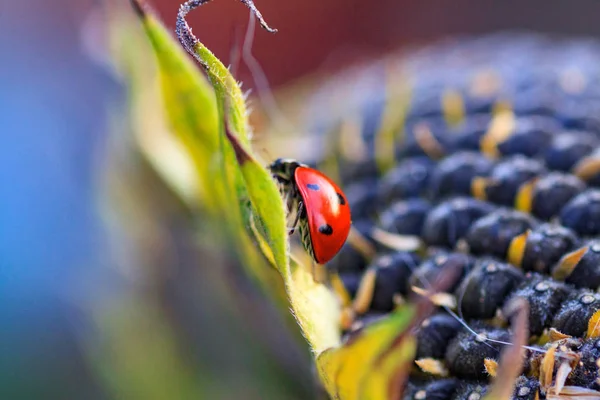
column 298, row 214
column 319, row 274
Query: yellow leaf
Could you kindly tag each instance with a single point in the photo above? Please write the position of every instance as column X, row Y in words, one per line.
column 368, row 363
column 315, row 307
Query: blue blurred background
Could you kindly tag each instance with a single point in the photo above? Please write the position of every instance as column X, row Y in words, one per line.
column 53, row 123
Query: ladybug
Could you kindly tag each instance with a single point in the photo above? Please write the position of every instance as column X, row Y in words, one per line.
column 322, row 211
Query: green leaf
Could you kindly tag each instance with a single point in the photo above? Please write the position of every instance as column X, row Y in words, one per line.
column 258, row 185
column 146, row 120
column 266, row 202
column 314, row 305
column 191, row 110
column 213, row 127
column 192, row 118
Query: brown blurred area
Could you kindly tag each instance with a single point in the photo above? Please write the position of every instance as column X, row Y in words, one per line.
column 325, row 36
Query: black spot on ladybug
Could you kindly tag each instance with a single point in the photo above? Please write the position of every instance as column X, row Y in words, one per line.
column 313, row 186
column 341, row 198
column 326, row 229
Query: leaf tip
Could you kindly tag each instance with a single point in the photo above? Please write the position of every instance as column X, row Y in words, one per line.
column 139, row 7
column 258, row 15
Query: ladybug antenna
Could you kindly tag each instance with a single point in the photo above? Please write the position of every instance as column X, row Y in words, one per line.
column 263, row 89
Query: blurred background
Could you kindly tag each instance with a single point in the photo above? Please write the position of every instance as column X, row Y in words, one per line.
column 105, row 289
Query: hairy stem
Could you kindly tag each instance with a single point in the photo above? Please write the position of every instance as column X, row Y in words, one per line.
column 184, row 32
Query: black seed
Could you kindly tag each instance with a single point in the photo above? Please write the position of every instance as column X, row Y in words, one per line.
column 313, row 186
column 566, row 149
column 405, row 217
column 466, row 353
column 450, row 220
column 363, row 196
column 426, row 104
column 552, row 192
column 411, row 145
column 353, row 171
column 410, row 390
column 536, row 100
column 486, row 287
column 351, row 281
column 493, row 233
column 434, row 334
column 410, row 178
column 468, row 135
column 544, row 296
column 545, row 245
column 526, row 388
column 392, row 273
column 574, row 314
column 454, row 174
column 441, row 389
column 582, row 213
column 365, row 227
column 470, row 391
column 586, row 372
column 532, row 136
column 326, row 229
column 508, row 176
column 587, row 272
column 348, row 259
column 578, row 115
column 430, row 268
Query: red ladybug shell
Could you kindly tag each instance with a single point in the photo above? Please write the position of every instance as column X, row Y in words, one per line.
column 327, row 212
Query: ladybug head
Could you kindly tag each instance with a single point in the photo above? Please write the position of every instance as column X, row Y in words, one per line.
column 284, row 167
